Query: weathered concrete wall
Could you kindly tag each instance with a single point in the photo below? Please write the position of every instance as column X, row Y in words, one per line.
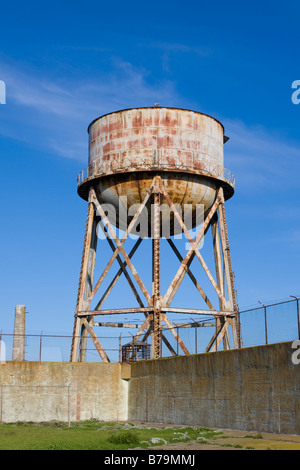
column 248, row 389
column 43, row 391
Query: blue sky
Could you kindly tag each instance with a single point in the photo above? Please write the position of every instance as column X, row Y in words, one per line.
column 66, row 63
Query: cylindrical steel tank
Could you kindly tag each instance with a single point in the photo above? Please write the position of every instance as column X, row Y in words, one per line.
column 128, row 148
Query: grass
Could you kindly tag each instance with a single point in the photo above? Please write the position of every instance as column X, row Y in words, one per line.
column 94, row 435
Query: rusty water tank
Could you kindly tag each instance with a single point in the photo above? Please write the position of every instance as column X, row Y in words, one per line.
column 128, row 148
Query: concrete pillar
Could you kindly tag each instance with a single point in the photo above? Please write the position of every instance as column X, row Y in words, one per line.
column 19, row 334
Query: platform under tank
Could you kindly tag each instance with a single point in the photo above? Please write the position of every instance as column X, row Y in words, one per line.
column 128, row 148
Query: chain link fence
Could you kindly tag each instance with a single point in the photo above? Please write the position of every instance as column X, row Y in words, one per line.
column 265, row 324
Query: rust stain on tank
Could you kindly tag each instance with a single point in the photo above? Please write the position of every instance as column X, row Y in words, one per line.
column 184, row 147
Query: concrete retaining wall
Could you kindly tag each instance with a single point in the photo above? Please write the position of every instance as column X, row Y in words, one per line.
column 45, row 391
column 248, row 389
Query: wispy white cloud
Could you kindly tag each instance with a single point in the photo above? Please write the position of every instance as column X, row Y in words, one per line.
column 261, row 157
column 170, row 50
column 58, row 111
column 177, row 47
column 69, row 47
column 54, row 114
column 290, row 237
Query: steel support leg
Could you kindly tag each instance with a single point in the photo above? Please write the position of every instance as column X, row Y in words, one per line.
column 229, row 273
column 85, row 282
column 156, row 347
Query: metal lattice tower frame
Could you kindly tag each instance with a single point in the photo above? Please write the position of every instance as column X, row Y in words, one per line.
column 155, row 306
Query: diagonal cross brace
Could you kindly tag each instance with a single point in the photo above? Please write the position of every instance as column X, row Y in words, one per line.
column 191, row 275
column 96, row 341
column 119, row 247
column 194, row 246
column 123, row 268
column 117, row 276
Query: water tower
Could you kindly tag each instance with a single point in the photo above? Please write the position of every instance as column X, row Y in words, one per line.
column 150, row 169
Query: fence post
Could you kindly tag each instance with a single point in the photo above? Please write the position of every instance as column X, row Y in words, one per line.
column 298, row 318
column 297, row 301
column 120, row 349
column 1, row 404
column 69, row 405
column 265, row 314
column 41, row 346
column 266, row 329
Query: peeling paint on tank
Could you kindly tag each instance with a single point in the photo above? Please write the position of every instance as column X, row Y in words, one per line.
column 185, row 147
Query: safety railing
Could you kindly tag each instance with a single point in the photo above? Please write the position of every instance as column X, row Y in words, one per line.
column 119, row 162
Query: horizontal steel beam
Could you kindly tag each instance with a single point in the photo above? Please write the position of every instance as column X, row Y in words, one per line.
column 190, row 325
column 115, row 311
column 117, row 325
column 189, row 311
column 163, row 327
column 192, row 311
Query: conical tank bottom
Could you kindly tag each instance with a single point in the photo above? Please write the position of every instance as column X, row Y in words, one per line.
column 122, row 195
